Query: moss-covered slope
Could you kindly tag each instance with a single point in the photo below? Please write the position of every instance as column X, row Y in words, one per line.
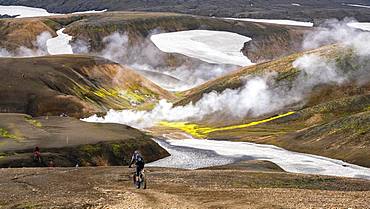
column 73, row 85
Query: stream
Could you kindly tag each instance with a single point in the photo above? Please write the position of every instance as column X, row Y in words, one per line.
column 193, row 153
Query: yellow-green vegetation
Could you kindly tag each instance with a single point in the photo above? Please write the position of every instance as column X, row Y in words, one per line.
column 33, row 122
column 116, row 148
column 129, row 95
column 118, row 98
column 202, row 132
column 103, row 93
column 90, row 149
column 5, row 134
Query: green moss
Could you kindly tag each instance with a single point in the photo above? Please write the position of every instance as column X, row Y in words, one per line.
column 90, row 149
column 5, row 134
column 116, row 148
column 33, row 122
column 147, row 106
column 52, row 24
column 178, row 94
column 133, row 96
column 103, row 93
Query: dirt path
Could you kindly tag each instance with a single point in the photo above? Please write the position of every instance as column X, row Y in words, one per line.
column 111, row 187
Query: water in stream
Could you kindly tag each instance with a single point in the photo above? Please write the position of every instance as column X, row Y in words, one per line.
column 194, row 153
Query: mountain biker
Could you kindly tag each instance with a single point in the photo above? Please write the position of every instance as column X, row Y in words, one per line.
column 138, row 159
column 37, row 154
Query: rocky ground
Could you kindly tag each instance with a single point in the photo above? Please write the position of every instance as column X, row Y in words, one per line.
column 111, row 187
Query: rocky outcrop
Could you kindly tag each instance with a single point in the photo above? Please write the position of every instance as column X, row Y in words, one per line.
column 273, row 46
column 65, row 141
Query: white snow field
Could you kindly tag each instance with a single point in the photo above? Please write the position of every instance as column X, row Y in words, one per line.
column 23, row 11
column 60, row 44
column 273, row 21
column 216, row 47
column 289, row 161
column 358, row 5
column 90, row 12
column 360, row 25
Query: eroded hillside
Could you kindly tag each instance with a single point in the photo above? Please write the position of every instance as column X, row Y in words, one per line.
column 73, row 85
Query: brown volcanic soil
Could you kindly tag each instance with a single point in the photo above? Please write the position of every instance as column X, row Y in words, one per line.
column 21, row 32
column 111, row 187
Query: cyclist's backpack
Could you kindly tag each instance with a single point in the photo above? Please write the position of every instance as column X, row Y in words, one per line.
column 139, row 159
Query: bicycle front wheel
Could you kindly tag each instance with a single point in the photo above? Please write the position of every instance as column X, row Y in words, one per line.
column 143, row 181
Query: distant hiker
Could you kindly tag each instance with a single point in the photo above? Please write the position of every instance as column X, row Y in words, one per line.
column 138, row 159
column 37, row 154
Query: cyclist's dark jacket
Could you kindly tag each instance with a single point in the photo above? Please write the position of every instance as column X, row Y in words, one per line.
column 139, row 162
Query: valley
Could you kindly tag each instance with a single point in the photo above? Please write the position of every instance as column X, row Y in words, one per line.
column 273, row 108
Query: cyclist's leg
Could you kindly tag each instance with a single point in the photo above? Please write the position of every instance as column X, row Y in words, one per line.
column 137, row 172
column 141, row 167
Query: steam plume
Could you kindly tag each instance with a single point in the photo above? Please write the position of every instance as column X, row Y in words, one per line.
column 145, row 56
column 262, row 94
column 39, row 48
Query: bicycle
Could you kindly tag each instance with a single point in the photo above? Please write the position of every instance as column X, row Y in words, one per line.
column 141, row 183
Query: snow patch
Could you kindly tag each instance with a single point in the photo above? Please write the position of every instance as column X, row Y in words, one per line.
column 360, row 25
column 216, row 47
column 289, row 161
column 23, row 11
column 358, row 5
column 295, row 4
column 90, row 12
column 275, row 21
column 60, row 44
